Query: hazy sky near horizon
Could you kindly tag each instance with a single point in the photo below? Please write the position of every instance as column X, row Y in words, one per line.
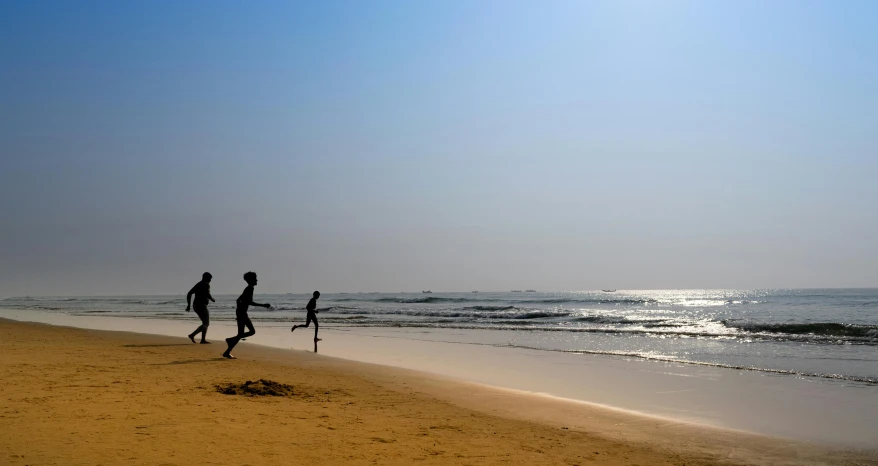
column 449, row 145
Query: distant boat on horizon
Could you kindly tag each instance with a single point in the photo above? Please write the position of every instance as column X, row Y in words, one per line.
column 473, row 291
column 530, row 291
column 608, row 291
column 426, row 291
column 515, row 291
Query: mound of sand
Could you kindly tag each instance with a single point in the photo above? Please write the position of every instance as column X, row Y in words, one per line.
column 261, row 387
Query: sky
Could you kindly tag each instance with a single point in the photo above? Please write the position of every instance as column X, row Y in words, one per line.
column 445, row 145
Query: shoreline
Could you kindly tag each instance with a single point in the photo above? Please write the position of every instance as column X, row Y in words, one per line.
column 831, row 413
column 94, row 395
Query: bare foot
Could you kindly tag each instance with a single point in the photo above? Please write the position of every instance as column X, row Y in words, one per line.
column 205, row 342
column 318, row 339
column 228, row 355
column 294, row 327
column 192, row 337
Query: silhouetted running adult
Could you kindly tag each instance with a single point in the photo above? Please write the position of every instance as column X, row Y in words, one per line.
column 201, row 290
column 244, row 302
column 312, row 315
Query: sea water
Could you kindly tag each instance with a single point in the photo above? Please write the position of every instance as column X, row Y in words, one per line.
column 821, row 333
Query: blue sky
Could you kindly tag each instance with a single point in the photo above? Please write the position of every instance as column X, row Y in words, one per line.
column 445, row 145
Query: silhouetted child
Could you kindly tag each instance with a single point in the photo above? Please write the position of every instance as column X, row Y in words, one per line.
column 244, row 302
column 312, row 315
column 201, row 290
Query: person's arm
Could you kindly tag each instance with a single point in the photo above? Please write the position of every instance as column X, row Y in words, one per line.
column 248, row 296
column 211, row 298
column 189, row 298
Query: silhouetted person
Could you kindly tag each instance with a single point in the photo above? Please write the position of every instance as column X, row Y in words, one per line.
column 201, row 290
column 312, row 315
column 244, row 302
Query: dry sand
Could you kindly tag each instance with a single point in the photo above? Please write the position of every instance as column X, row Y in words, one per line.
column 74, row 396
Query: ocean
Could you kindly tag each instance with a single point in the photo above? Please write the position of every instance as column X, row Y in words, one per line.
column 820, row 333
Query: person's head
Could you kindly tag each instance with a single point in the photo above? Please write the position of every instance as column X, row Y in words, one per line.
column 250, row 278
column 206, row 276
column 316, row 294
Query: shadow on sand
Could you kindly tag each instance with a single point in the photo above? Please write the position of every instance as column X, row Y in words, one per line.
column 156, row 346
column 187, row 361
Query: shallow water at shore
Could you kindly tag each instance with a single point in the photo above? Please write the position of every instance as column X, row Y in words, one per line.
column 817, row 333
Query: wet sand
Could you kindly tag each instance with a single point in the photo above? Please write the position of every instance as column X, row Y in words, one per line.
column 73, row 396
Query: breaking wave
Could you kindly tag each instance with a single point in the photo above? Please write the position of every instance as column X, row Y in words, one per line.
column 827, row 329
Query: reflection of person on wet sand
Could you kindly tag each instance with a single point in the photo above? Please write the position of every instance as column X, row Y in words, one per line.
column 201, row 290
column 312, row 315
column 244, row 302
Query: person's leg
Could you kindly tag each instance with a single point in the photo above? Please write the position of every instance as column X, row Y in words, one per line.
column 196, row 332
column 316, row 328
column 249, row 324
column 205, row 321
column 200, row 328
column 307, row 323
column 235, row 339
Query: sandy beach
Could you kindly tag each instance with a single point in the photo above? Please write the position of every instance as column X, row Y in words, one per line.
column 834, row 414
column 439, row 232
column 74, row 396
